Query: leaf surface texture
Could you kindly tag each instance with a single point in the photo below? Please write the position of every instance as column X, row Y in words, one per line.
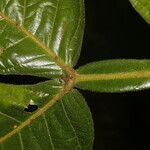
column 114, row 76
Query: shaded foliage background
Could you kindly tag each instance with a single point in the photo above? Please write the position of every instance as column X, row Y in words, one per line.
column 115, row 30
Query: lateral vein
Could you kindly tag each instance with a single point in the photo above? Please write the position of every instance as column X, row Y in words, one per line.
column 48, row 131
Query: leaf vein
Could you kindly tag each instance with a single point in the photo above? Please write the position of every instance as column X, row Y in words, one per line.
column 71, row 124
column 34, row 138
column 21, row 141
column 54, row 20
column 24, row 10
column 113, row 76
column 48, row 131
column 14, row 44
column 10, row 117
column 78, row 26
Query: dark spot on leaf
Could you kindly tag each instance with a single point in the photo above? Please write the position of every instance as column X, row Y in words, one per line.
column 31, row 108
column 17, row 24
column 21, row 79
column 56, row 57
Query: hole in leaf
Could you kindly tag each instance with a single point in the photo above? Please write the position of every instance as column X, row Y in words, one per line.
column 21, row 79
column 31, row 108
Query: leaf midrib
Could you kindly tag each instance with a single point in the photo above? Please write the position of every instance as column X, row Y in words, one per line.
column 53, row 57
column 112, row 76
column 41, row 111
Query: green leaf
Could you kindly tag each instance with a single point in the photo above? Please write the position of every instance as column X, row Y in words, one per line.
column 34, row 33
column 114, row 76
column 66, row 125
column 42, row 38
column 15, row 98
column 143, row 8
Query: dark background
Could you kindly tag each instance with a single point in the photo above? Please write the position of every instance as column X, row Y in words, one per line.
column 115, row 30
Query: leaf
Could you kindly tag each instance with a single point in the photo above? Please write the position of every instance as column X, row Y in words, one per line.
column 42, row 38
column 15, row 98
column 114, row 76
column 67, row 125
column 143, row 8
column 34, row 33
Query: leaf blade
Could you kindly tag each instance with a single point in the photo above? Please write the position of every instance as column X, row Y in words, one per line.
column 75, row 127
column 114, row 76
column 61, row 32
column 16, row 98
column 143, row 8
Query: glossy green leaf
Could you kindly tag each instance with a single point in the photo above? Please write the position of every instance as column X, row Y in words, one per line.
column 34, row 33
column 114, row 76
column 66, row 125
column 15, row 98
column 42, row 38
column 143, row 8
